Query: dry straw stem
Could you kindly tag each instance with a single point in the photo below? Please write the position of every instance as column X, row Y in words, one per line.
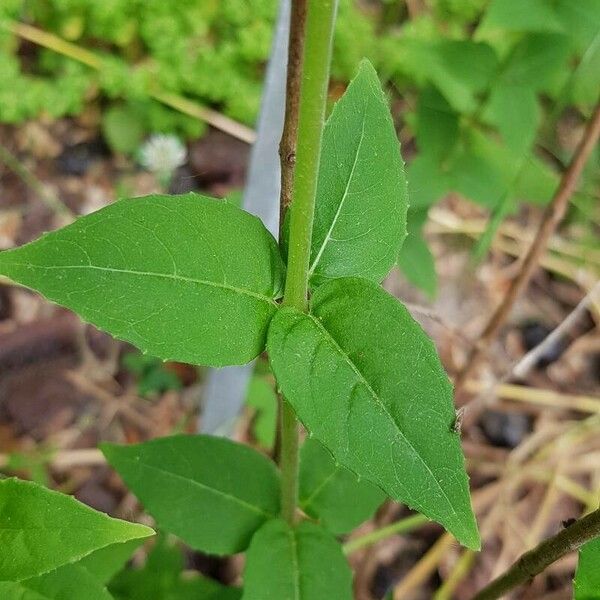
column 522, row 367
column 552, row 216
column 64, row 460
column 50, row 200
column 179, row 103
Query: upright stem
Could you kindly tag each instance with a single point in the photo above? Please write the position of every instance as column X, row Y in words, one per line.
column 318, row 38
column 320, row 20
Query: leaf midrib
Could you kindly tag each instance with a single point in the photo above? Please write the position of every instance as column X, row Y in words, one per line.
column 315, row 263
column 170, row 276
column 379, row 401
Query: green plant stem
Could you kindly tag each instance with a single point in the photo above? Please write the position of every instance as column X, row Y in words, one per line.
column 313, row 97
column 402, row 526
column 318, row 41
column 542, row 556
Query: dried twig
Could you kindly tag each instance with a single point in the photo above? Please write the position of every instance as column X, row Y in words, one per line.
column 50, row 200
column 542, row 556
column 552, row 216
column 522, row 367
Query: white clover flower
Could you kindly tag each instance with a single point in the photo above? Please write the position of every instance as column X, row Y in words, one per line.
column 162, row 154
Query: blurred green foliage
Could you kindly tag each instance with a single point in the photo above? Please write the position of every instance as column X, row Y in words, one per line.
column 481, row 83
column 152, row 376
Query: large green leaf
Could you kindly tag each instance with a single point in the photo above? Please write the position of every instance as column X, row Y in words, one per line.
column 41, row 530
column 587, row 578
column 360, row 216
column 366, row 381
column 211, row 492
column 331, row 493
column 305, row 563
column 181, row 277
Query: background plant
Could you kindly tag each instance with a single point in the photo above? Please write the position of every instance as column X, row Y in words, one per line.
column 484, row 83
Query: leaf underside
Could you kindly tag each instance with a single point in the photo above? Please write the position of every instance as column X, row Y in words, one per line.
column 183, row 278
column 366, row 381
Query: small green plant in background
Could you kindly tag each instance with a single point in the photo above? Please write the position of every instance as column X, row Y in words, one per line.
column 197, row 280
column 483, row 81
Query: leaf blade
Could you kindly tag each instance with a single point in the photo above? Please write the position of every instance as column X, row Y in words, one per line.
column 166, row 473
column 305, row 563
column 361, row 351
column 182, row 277
column 362, row 172
column 331, row 493
column 42, row 530
column 587, row 577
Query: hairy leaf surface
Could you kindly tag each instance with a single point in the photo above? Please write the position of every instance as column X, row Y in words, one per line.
column 367, row 382
column 41, row 530
column 360, row 215
column 181, row 277
column 331, row 493
column 211, row 492
column 305, row 563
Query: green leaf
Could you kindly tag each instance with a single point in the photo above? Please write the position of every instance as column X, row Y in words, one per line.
column 427, row 182
column 437, row 125
column 182, row 277
column 415, row 260
column 234, row 487
column 331, row 493
column 261, row 396
column 41, row 530
column 587, row 578
column 360, row 216
column 515, row 15
column 17, row 591
column 305, row 563
column 537, row 61
column 65, row 583
column 514, row 110
column 123, row 129
column 366, row 381
column 104, row 563
column 461, row 69
column 162, row 578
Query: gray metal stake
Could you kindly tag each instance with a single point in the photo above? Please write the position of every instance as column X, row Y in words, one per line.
column 225, row 389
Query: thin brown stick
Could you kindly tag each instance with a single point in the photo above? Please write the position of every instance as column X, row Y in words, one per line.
column 552, row 216
column 542, row 556
column 287, row 146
